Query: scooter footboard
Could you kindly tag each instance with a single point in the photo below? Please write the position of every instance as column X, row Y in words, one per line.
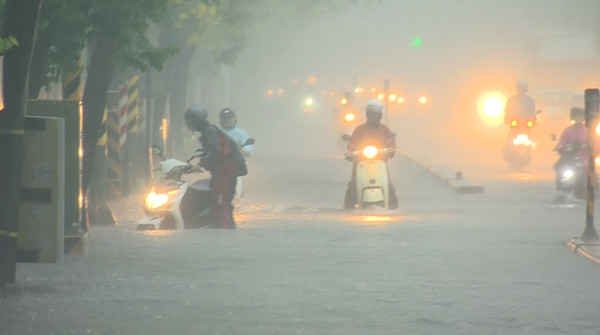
column 373, row 194
column 372, row 182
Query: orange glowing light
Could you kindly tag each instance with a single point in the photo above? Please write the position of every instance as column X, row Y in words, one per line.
column 529, row 123
column 491, row 107
column 158, row 232
column 349, row 117
column 514, row 123
column 380, row 96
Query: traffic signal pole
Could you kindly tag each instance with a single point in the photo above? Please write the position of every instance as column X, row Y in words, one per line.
column 591, row 121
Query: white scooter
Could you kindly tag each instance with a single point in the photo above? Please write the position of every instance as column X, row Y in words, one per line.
column 372, row 180
column 175, row 203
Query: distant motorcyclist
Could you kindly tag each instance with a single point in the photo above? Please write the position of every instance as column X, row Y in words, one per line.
column 573, row 149
column 228, row 123
column 372, row 132
column 222, row 158
column 520, row 106
column 575, row 135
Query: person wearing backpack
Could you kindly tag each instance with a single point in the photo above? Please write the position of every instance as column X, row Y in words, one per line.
column 223, row 159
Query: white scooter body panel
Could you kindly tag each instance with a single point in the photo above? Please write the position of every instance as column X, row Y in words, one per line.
column 372, row 182
column 155, row 221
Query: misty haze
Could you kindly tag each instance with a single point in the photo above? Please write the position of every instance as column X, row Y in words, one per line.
column 477, row 244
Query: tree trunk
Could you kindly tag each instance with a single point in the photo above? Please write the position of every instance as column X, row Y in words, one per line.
column 178, row 98
column 20, row 20
column 100, row 73
column 39, row 63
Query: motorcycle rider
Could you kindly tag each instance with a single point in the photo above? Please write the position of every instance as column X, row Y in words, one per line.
column 575, row 134
column 372, row 132
column 228, row 123
column 520, row 106
column 222, row 158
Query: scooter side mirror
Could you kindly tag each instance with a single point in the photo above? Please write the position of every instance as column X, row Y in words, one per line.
column 249, row 141
column 158, row 150
column 346, row 137
column 539, row 111
column 392, row 136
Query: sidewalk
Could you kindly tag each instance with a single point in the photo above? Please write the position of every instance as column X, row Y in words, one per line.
column 590, row 250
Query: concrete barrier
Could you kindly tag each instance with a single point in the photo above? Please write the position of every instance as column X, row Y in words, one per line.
column 454, row 179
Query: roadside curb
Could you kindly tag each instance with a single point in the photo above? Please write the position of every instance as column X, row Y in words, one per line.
column 586, row 249
column 453, row 179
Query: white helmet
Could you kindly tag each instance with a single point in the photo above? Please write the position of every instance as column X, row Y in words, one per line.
column 521, row 86
column 374, row 106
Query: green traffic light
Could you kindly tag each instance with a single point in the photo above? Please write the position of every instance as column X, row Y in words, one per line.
column 416, row 42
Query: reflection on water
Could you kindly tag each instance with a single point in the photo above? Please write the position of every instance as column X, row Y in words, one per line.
column 158, row 232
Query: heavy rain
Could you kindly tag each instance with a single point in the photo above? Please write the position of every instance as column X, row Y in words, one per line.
column 484, row 240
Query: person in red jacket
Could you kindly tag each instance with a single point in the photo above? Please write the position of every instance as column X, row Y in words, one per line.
column 223, row 159
column 372, row 132
column 575, row 135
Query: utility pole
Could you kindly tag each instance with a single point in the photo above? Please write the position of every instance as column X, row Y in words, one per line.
column 386, row 90
column 591, row 122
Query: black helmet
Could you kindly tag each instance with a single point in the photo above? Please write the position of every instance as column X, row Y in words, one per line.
column 227, row 118
column 196, row 117
column 576, row 112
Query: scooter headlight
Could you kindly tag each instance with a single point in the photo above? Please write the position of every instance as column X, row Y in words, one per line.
column 567, row 174
column 155, row 200
column 349, row 117
column 370, row 152
column 522, row 139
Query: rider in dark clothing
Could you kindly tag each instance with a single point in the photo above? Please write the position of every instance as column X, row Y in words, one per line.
column 372, row 132
column 222, row 159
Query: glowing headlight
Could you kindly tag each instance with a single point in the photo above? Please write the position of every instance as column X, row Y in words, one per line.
column 490, row 108
column 423, row 100
column 156, row 200
column 567, row 174
column 349, row 117
column 309, row 101
column 370, row 152
column 522, row 139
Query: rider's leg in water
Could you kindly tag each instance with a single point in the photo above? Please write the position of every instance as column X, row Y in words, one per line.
column 393, row 202
column 350, row 197
column 222, row 190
